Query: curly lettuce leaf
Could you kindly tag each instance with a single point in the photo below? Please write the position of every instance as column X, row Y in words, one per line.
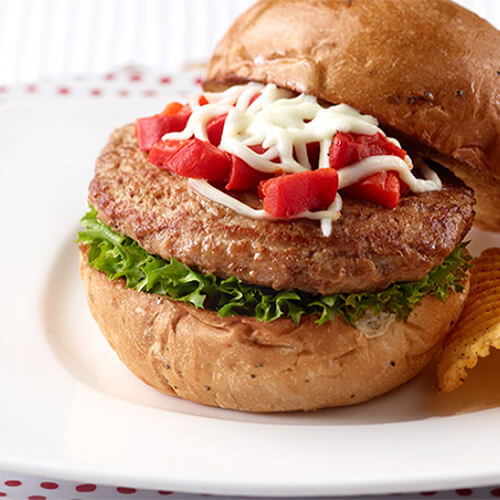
column 121, row 257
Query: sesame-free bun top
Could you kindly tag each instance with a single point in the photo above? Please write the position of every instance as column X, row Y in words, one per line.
column 429, row 70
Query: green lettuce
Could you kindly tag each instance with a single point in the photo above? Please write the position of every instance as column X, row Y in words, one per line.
column 121, row 257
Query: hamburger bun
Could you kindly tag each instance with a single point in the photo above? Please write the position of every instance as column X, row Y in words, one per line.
column 380, row 58
column 429, row 70
column 244, row 364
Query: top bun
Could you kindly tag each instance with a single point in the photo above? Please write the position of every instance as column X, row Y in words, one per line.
column 429, row 70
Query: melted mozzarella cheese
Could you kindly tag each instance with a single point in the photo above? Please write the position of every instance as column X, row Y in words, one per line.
column 284, row 124
column 212, row 193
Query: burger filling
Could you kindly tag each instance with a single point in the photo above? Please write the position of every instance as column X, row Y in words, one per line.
column 120, row 257
column 263, row 153
column 294, row 152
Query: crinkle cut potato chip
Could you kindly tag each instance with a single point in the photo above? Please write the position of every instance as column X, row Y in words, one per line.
column 478, row 329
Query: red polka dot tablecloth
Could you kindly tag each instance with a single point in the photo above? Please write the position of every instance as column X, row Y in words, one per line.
column 137, row 83
column 19, row 486
column 124, row 83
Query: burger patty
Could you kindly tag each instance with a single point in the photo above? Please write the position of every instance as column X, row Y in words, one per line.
column 370, row 246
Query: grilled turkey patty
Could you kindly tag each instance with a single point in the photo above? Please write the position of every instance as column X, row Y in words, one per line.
column 370, row 246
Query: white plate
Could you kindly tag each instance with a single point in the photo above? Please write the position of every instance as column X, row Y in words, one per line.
column 69, row 409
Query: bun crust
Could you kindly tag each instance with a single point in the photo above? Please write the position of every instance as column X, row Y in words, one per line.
column 428, row 70
column 241, row 363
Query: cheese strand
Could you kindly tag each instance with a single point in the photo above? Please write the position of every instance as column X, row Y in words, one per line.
column 283, row 124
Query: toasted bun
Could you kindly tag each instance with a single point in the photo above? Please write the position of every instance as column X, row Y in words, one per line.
column 429, row 70
column 244, row 364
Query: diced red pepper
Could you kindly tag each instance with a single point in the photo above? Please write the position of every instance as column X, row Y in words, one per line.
column 162, row 151
column 258, row 148
column 151, row 129
column 214, row 129
column 382, row 188
column 200, row 160
column 347, row 149
column 343, row 151
column 172, row 108
column 202, row 101
column 313, row 149
column 289, row 195
column 243, row 177
column 176, row 108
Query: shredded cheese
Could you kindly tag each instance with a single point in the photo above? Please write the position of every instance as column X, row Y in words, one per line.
column 284, row 124
column 212, row 193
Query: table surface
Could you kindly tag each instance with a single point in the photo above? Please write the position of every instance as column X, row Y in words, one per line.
column 19, row 486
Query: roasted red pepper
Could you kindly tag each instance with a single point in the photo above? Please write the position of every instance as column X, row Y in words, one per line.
column 313, row 149
column 383, row 188
column 199, row 160
column 151, row 129
column 243, row 177
column 289, row 195
column 347, row 149
column 162, row 151
column 202, row 101
column 260, row 150
column 172, row 108
column 214, row 129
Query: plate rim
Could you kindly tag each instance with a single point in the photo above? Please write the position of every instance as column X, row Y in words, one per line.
column 384, row 485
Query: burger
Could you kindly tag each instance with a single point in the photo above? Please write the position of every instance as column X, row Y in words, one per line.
column 292, row 238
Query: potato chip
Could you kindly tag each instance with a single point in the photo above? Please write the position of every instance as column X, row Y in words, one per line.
column 478, row 329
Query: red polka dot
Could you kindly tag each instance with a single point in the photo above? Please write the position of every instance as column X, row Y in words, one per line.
column 109, row 76
column 48, row 485
column 149, row 93
column 165, row 492
column 31, row 88
column 123, row 93
column 125, row 491
column 464, row 492
column 86, row 488
column 63, row 90
column 495, row 492
column 13, row 483
column 198, row 81
column 135, row 77
column 428, row 493
column 165, row 80
column 95, row 92
column 37, row 497
column 3, row 89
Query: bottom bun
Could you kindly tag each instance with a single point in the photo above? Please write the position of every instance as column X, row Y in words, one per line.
column 244, row 364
